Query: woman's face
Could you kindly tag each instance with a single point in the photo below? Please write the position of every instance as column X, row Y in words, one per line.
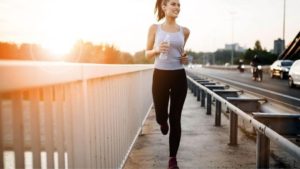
column 172, row 8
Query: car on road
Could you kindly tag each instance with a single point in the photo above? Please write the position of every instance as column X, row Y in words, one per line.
column 280, row 68
column 294, row 74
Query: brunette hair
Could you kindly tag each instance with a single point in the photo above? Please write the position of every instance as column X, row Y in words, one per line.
column 158, row 9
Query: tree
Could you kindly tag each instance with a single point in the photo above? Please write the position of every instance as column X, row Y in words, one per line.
column 126, row 58
column 8, row 50
column 25, row 51
column 140, row 58
column 257, row 46
column 111, row 55
column 265, row 56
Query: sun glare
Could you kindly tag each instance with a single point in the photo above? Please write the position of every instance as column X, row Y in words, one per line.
column 58, row 28
column 57, row 47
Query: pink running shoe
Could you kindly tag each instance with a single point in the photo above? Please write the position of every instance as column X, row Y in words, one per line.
column 173, row 163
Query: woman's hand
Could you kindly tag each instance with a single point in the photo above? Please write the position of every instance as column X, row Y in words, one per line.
column 184, row 58
column 163, row 47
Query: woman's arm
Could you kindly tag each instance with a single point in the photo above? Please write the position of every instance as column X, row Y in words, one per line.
column 186, row 33
column 184, row 59
column 150, row 50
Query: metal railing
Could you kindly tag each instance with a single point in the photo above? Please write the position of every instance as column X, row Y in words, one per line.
column 261, row 128
column 71, row 115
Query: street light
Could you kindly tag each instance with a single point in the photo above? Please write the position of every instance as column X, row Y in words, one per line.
column 232, row 36
column 283, row 32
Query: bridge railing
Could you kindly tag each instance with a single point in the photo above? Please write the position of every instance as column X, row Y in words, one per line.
column 265, row 132
column 71, row 115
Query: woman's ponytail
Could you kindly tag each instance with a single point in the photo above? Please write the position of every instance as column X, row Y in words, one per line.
column 158, row 9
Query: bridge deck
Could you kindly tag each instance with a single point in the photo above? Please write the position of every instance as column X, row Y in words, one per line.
column 202, row 144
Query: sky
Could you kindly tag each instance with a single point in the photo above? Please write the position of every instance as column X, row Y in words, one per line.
column 57, row 24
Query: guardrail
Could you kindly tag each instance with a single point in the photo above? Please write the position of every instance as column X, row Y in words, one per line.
column 264, row 132
column 71, row 115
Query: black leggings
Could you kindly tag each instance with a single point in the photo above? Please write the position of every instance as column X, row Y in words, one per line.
column 170, row 84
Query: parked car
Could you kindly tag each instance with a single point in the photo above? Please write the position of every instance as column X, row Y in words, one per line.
column 280, row 68
column 294, row 74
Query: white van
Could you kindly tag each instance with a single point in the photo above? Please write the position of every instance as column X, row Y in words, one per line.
column 294, row 74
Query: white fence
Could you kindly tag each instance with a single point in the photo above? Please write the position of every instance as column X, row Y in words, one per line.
column 71, row 115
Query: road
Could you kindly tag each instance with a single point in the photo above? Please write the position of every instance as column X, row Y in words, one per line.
column 273, row 89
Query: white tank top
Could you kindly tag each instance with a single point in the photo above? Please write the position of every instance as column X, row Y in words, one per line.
column 175, row 50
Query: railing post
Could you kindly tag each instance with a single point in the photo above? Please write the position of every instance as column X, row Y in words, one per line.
column 198, row 93
column 233, row 128
column 59, row 114
column 203, row 98
column 49, row 135
column 18, row 130
column 208, row 107
column 218, row 113
column 262, row 151
column 35, row 128
column 195, row 89
column 69, row 125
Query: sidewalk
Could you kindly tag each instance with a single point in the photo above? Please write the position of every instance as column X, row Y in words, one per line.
column 202, row 144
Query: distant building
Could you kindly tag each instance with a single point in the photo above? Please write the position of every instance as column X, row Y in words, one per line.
column 235, row 46
column 278, row 46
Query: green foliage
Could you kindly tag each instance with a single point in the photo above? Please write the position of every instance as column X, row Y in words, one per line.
column 197, row 56
column 219, row 57
column 265, row 57
column 257, row 46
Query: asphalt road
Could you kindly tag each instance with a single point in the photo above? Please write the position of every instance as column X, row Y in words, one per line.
column 274, row 89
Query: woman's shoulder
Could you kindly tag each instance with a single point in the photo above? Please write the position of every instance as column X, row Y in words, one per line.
column 153, row 27
column 152, row 30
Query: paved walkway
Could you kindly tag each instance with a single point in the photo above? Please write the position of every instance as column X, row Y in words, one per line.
column 202, row 144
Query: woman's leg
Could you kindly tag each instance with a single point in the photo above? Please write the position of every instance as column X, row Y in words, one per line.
column 160, row 92
column 178, row 95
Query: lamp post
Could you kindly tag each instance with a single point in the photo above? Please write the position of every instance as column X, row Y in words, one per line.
column 283, row 32
column 232, row 37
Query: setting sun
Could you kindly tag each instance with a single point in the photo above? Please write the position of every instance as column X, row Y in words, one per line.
column 58, row 29
column 58, row 47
